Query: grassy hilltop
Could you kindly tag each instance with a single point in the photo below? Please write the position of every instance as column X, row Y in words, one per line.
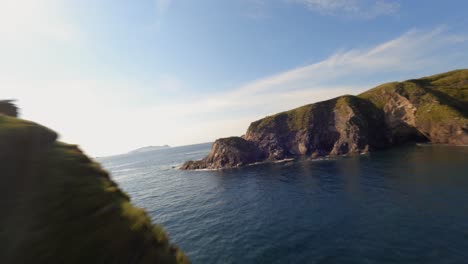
column 58, row 206
column 439, row 105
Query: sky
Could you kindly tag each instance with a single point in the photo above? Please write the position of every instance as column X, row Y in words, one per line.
column 112, row 76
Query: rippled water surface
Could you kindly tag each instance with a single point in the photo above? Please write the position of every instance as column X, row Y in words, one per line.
column 405, row 205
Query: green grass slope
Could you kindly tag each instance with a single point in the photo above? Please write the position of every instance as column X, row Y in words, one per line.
column 302, row 117
column 441, row 103
column 58, row 206
column 447, row 92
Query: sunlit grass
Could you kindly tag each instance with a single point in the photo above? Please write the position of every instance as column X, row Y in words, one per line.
column 61, row 207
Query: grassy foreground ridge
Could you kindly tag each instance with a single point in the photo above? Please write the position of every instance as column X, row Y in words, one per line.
column 58, row 206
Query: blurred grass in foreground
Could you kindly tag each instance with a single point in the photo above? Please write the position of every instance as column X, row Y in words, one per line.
column 58, row 206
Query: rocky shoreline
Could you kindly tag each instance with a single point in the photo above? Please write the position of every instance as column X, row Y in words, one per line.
column 431, row 109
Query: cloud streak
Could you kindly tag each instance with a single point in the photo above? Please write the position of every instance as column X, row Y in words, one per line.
column 415, row 53
column 96, row 113
column 362, row 9
column 407, row 54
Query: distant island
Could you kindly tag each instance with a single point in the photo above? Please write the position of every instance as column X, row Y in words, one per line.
column 148, row 148
column 431, row 109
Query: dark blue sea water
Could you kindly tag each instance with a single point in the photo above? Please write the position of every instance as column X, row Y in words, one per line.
column 405, row 205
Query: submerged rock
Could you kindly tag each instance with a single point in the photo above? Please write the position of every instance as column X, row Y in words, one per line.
column 58, row 206
column 432, row 109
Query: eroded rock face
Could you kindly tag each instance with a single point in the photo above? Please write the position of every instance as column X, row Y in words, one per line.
column 431, row 109
column 400, row 117
column 227, row 153
column 342, row 125
column 338, row 126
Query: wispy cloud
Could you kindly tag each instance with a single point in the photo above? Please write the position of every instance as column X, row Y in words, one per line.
column 412, row 51
column 408, row 54
column 415, row 53
column 115, row 108
column 362, row 9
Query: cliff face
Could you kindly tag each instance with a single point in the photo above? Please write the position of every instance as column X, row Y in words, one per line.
column 228, row 153
column 58, row 206
column 338, row 126
column 428, row 109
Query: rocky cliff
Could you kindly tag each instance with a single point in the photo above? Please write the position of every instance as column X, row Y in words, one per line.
column 58, row 206
column 228, row 153
column 431, row 109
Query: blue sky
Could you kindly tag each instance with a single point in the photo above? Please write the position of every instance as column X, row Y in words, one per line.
column 116, row 75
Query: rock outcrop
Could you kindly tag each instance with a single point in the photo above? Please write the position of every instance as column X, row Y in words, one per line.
column 58, row 206
column 431, row 109
column 228, row 153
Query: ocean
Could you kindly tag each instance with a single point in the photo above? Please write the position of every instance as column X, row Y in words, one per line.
column 403, row 205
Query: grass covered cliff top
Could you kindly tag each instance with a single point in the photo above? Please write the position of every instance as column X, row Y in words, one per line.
column 58, row 206
column 454, row 84
column 439, row 96
column 301, row 118
column 296, row 119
